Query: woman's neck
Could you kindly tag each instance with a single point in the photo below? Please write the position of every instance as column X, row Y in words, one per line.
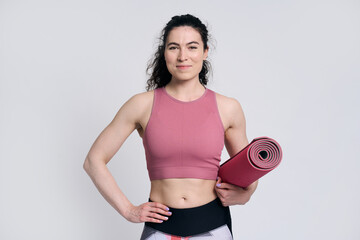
column 185, row 90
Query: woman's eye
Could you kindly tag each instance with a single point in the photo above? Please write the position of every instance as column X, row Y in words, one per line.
column 172, row 48
column 193, row 47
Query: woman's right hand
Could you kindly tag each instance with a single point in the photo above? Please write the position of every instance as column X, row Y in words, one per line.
column 148, row 212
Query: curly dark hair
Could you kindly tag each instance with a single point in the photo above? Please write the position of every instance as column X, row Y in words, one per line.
column 159, row 74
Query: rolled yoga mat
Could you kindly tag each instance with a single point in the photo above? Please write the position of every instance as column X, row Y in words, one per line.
column 254, row 161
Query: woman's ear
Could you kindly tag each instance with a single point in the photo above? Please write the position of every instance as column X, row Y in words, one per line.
column 206, row 51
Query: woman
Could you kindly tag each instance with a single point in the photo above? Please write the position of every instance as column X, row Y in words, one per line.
column 184, row 126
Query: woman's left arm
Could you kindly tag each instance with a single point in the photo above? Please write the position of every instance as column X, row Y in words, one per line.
column 235, row 140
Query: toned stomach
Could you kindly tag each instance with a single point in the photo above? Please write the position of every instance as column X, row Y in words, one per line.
column 182, row 192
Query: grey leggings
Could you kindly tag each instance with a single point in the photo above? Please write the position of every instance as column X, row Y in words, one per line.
column 220, row 233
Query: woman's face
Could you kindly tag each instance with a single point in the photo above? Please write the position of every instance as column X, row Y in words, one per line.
column 184, row 53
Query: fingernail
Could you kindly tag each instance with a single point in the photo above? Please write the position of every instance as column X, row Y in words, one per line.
column 166, row 218
column 218, row 185
column 169, row 213
column 167, row 209
column 160, row 221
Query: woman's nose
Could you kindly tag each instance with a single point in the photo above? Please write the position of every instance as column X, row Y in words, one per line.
column 182, row 55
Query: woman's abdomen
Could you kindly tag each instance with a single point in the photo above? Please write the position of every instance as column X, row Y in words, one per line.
column 182, row 192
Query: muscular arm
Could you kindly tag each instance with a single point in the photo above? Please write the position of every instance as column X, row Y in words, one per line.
column 235, row 140
column 104, row 148
column 235, row 134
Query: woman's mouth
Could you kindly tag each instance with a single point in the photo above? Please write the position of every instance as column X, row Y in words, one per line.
column 182, row 67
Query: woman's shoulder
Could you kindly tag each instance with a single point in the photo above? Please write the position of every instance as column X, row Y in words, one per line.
column 227, row 103
column 142, row 98
column 137, row 107
column 138, row 104
column 230, row 110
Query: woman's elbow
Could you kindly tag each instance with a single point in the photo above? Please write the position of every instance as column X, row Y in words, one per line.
column 86, row 165
column 92, row 163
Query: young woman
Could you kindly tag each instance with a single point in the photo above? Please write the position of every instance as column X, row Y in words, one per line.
column 184, row 127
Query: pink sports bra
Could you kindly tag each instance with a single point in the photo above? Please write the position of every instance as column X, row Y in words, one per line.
column 183, row 139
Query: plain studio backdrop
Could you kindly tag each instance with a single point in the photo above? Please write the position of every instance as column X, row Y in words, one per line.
column 66, row 67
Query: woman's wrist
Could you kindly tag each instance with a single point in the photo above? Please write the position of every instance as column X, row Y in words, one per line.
column 125, row 209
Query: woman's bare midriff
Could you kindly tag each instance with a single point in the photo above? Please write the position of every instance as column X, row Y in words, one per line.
column 182, row 192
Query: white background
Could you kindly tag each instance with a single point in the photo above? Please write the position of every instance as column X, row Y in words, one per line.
column 66, row 67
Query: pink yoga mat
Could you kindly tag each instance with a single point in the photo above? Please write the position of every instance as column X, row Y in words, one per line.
column 254, row 161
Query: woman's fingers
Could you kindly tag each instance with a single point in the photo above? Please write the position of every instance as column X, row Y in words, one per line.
column 218, row 180
column 225, row 186
column 148, row 212
column 154, row 220
column 157, row 217
column 222, row 185
column 155, row 212
column 160, row 211
column 219, row 192
column 160, row 208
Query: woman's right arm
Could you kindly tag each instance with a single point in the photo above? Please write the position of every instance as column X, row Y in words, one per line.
column 104, row 148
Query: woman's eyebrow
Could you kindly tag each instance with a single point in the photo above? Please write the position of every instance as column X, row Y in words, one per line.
column 193, row 42
column 174, row 43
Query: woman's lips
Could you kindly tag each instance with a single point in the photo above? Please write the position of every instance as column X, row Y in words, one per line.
column 183, row 66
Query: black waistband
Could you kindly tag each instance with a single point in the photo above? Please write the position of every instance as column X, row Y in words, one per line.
column 191, row 221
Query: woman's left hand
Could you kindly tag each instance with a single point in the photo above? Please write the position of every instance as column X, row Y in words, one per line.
column 232, row 195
